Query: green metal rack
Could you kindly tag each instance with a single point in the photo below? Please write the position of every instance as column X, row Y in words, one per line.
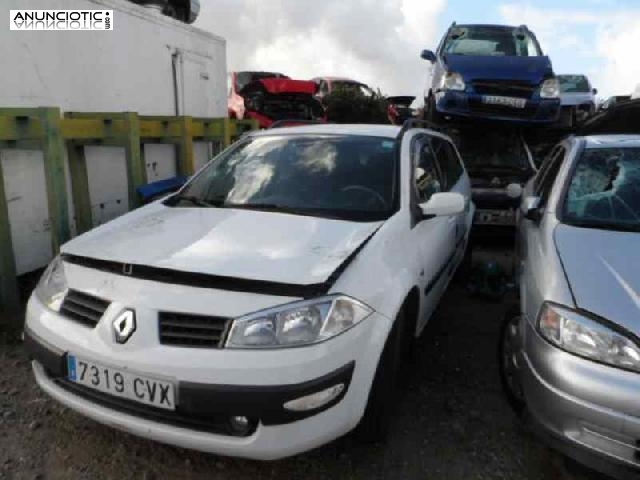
column 47, row 130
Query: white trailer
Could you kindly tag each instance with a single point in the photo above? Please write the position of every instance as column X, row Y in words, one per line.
column 149, row 64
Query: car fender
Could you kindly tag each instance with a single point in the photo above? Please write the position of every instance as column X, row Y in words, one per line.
column 385, row 271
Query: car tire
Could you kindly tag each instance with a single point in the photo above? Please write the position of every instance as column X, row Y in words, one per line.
column 507, row 348
column 374, row 425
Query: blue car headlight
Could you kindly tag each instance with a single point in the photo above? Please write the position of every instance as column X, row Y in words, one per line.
column 452, row 81
column 550, row 88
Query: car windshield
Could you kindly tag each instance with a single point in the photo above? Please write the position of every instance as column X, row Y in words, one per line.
column 352, row 87
column 574, row 84
column 605, row 190
column 245, row 78
column 336, row 176
column 491, row 41
column 493, row 152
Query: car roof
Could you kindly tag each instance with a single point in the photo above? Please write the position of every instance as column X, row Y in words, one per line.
column 609, row 141
column 337, row 79
column 390, row 131
column 490, row 25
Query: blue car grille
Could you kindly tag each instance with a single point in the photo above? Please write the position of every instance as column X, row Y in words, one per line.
column 507, row 88
column 503, row 111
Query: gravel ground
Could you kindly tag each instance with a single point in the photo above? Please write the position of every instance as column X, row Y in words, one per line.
column 452, row 423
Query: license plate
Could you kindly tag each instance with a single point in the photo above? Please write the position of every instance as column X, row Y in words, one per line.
column 505, row 101
column 120, row 383
column 495, row 217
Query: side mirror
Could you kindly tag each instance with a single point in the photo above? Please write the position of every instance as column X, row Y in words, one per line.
column 595, row 91
column 428, row 55
column 443, row 205
column 514, row 190
column 531, row 209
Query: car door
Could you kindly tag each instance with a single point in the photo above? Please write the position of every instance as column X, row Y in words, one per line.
column 435, row 237
column 455, row 180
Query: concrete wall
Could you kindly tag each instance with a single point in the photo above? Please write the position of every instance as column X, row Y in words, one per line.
column 128, row 69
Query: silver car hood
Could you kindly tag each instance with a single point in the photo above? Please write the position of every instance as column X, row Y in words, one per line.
column 576, row 98
column 603, row 269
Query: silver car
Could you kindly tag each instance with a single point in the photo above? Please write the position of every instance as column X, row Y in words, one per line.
column 570, row 354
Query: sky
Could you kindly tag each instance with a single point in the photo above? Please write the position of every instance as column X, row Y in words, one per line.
column 379, row 41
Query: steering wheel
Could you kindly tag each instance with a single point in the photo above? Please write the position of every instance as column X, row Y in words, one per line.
column 372, row 193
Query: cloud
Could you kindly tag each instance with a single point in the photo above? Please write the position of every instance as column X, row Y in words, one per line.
column 605, row 41
column 375, row 41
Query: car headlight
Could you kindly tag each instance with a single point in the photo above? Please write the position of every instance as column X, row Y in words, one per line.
column 452, row 81
column 550, row 88
column 587, row 338
column 297, row 324
column 53, row 287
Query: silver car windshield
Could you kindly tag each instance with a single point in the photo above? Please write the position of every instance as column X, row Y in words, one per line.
column 604, row 191
column 337, row 176
column 574, row 84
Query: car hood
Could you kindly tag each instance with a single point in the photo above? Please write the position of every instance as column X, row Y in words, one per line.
column 475, row 67
column 242, row 244
column 603, row 278
column 620, row 118
column 285, row 85
column 576, row 98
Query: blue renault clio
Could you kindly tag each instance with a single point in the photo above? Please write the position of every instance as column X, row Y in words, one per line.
column 491, row 71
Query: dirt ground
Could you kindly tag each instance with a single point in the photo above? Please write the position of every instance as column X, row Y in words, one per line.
column 451, row 423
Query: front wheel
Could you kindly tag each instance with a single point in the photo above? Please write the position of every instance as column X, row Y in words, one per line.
column 508, row 360
column 375, row 422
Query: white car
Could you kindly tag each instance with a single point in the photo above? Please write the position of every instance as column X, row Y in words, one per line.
column 264, row 309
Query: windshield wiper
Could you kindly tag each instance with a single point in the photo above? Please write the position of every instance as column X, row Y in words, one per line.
column 274, row 207
column 198, row 202
column 619, row 227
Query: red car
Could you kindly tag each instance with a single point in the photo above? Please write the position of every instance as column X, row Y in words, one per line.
column 270, row 97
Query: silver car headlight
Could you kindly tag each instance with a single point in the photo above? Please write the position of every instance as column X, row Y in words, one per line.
column 452, row 81
column 550, row 88
column 297, row 324
column 53, row 287
column 577, row 334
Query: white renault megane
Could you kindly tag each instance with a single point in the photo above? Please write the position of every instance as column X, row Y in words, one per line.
column 264, row 309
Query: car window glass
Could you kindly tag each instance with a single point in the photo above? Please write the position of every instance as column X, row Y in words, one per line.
column 426, row 175
column 448, row 162
column 604, row 191
column 490, row 41
column 550, row 176
column 347, row 176
column 544, row 167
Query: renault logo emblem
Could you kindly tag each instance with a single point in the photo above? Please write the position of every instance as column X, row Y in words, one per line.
column 124, row 325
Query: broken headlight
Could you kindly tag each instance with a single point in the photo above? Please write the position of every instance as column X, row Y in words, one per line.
column 53, row 285
column 452, row 81
column 550, row 88
column 585, row 337
column 297, row 324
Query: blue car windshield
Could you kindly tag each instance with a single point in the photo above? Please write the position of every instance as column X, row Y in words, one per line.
column 491, row 41
column 604, row 191
column 349, row 177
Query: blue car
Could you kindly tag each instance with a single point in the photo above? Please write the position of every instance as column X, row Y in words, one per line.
column 492, row 72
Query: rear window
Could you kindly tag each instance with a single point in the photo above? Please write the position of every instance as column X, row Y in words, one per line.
column 604, row 191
